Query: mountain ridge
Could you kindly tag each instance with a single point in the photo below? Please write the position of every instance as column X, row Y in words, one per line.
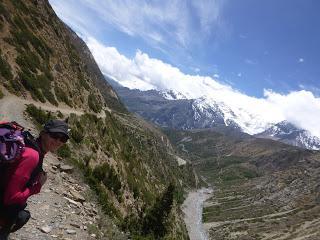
column 167, row 110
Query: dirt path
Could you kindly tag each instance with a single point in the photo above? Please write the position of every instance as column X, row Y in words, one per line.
column 12, row 108
column 192, row 208
column 62, row 210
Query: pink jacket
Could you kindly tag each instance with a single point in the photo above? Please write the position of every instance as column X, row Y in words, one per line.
column 17, row 177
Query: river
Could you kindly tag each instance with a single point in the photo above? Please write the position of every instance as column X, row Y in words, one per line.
column 192, row 208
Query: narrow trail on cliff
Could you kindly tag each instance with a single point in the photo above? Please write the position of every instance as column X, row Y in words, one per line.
column 63, row 209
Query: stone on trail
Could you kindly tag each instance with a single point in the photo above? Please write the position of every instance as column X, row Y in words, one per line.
column 75, row 225
column 66, row 168
column 73, row 202
column 77, row 196
column 46, row 229
column 70, row 231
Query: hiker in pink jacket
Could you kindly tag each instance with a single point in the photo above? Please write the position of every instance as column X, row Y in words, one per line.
column 25, row 176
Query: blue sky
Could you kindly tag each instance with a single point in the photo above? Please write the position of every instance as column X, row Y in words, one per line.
column 257, row 57
column 251, row 45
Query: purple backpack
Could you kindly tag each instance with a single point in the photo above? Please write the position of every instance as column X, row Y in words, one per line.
column 11, row 142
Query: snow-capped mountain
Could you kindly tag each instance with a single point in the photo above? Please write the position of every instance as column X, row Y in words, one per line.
column 209, row 108
column 175, row 110
column 288, row 133
column 172, row 95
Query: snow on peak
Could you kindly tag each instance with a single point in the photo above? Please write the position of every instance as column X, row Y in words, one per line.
column 172, row 95
column 248, row 122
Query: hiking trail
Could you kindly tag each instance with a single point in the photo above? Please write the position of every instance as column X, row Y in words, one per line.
column 62, row 210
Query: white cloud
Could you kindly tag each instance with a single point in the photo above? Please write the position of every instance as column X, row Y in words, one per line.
column 157, row 22
column 301, row 108
column 208, row 12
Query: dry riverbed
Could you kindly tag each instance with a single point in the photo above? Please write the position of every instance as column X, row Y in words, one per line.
column 192, row 208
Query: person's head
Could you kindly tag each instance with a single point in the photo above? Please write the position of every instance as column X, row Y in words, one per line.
column 54, row 135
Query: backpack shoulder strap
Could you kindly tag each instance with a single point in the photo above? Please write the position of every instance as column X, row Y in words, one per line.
column 31, row 142
column 11, row 125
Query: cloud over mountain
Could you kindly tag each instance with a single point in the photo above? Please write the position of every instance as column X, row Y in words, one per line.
column 143, row 72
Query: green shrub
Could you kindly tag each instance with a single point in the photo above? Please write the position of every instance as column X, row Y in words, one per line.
column 29, row 24
column 28, row 61
column 4, row 12
column 77, row 134
column 154, row 223
column 49, row 96
column 94, row 229
column 39, row 116
column 19, row 5
column 64, row 151
column 23, row 37
column 2, row 9
column 5, row 69
column 83, row 82
column 1, row 94
column 14, row 86
column 41, row 47
column 20, row 39
column 31, row 83
column 44, row 83
column 112, row 181
column 38, row 95
column 95, row 185
column 61, row 95
column 60, row 115
column 94, row 103
column 108, row 177
column 47, row 73
column 20, row 23
column 37, row 22
column 9, row 41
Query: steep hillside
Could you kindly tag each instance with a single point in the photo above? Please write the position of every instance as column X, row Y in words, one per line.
column 263, row 189
column 128, row 163
column 44, row 59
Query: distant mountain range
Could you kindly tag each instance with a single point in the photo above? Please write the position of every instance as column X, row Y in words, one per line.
column 288, row 133
column 171, row 109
